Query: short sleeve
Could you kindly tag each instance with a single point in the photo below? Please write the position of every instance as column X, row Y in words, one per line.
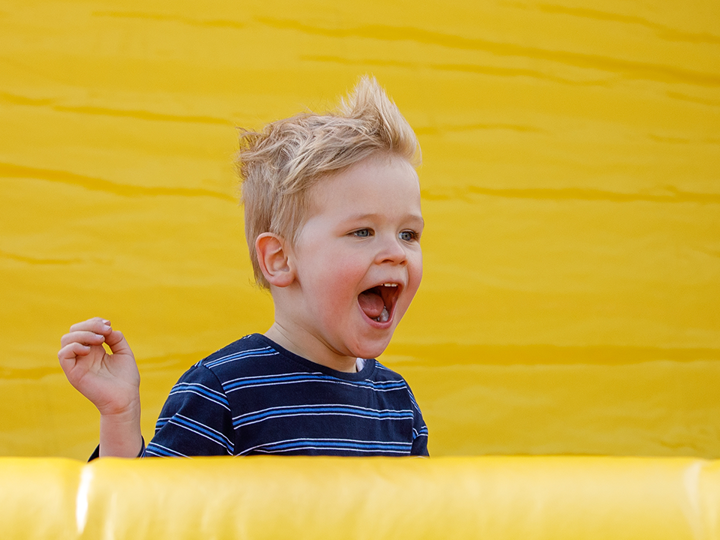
column 96, row 454
column 196, row 419
column 420, row 430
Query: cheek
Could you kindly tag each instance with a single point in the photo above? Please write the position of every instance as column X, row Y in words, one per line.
column 348, row 270
column 415, row 277
column 336, row 284
column 416, row 270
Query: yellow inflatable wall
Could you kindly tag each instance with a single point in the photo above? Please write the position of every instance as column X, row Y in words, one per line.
column 571, row 187
column 269, row 498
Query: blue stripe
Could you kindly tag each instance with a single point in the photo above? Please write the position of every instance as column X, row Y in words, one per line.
column 200, row 428
column 423, row 432
column 330, row 451
column 400, row 447
column 284, row 411
column 412, row 400
column 158, row 452
column 161, row 452
column 250, row 353
column 185, row 387
column 312, row 377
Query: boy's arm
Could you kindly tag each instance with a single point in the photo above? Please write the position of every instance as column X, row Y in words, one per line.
column 110, row 381
column 120, row 436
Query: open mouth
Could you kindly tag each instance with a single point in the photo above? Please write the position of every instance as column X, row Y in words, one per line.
column 378, row 302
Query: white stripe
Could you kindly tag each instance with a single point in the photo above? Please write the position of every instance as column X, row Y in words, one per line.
column 260, row 420
column 240, row 356
column 357, row 407
column 193, row 421
column 211, row 400
column 201, row 434
column 216, row 363
column 325, row 448
column 372, row 388
column 352, row 441
column 211, row 390
column 243, row 351
column 165, row 418
column 319, row 374
column 170, row 450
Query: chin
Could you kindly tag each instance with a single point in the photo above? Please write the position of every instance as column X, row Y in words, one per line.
column 371, row 348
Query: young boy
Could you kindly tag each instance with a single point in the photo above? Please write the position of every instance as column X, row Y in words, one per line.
column 333, row 223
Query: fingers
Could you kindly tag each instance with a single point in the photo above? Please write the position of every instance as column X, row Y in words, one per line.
column 96, row 324
column 69, row 353
column 93, row 332
column 81, row 338
column 85, row 338
column 117, row 343
column 71, row 350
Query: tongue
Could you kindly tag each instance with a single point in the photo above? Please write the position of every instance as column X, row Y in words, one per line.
column 371, row 303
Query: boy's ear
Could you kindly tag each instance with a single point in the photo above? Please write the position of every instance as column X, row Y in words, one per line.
column 273, row 259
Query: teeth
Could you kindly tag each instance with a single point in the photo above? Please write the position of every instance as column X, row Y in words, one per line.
column 383, row 317
column 389, row 284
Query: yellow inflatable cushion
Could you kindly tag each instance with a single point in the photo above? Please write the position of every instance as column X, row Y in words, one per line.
column 371, row 498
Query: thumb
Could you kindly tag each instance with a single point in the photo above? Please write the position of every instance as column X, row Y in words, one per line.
column 117, row 343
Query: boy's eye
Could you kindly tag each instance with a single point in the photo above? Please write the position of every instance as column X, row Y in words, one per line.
column 408, row 236
column 362, row 233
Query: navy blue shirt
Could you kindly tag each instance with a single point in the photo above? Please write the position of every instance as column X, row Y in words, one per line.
column 254, row 397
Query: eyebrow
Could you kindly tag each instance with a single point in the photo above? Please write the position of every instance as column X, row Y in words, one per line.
column 353, row 217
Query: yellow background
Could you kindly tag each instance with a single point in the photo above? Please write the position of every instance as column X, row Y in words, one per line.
column 571, row 187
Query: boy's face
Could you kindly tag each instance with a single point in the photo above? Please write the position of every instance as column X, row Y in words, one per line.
column 357, row 258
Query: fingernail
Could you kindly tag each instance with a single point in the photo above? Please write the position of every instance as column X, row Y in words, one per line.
column 107, row 323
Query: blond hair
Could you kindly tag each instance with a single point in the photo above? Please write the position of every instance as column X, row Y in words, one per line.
column 279, row 165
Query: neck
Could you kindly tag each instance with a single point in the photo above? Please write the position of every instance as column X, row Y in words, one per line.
column 310, row 348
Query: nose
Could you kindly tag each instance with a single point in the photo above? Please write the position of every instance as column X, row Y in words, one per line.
column 391, row 251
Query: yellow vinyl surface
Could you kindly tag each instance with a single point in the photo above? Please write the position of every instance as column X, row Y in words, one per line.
column 488, row 498
column 571, row 189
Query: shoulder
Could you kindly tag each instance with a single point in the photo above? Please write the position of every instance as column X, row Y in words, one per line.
column 250, row 346
column 212, row 377
column 252, row 355
column 383, row 374
column 396, row 380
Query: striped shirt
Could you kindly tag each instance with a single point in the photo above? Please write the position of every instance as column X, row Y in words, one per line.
column 254, row 397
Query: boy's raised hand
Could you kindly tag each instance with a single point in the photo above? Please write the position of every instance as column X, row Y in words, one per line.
column 110, row 381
